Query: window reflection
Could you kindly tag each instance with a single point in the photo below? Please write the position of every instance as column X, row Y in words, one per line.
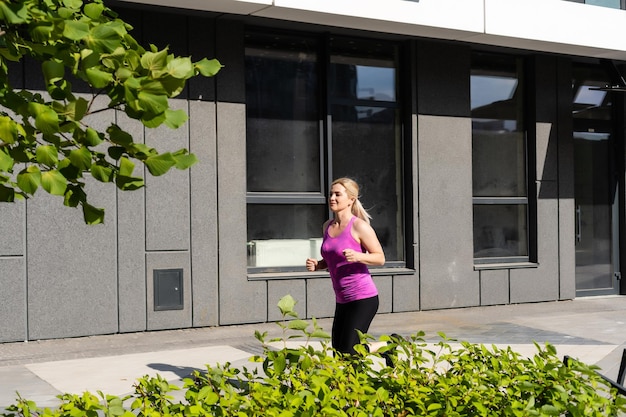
column 500, row 231
column 283, row 146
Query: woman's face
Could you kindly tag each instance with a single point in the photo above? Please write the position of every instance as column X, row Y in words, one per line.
column 339, row 199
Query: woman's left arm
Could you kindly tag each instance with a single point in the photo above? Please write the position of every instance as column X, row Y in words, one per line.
column 365, row 234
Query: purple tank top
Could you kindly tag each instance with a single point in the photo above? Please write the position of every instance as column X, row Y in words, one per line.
column 351, row 280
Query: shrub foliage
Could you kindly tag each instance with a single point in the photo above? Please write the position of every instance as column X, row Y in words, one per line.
column 310, row 379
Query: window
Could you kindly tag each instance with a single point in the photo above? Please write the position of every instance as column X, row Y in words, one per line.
column 499, row 160
column 319, row 109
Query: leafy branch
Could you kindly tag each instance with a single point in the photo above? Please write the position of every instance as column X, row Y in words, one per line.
column 45, row 137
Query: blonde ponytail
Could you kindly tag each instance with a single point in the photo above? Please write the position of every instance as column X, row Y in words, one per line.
column 359, row 211
column 352, row 189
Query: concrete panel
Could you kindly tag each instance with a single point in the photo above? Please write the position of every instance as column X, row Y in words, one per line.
column 12, row 227
column 72, row 267
column 168, row 319
column 167, row 196
column 131, row 244
column 385, row 293
column 567, row 249
column 406, row 293
column 13, row 300
column 277, row 289
column 494, row 287
column 542, row 283
column 241, row 301
column 320, row 298
column 204, row 255
column 445, row 206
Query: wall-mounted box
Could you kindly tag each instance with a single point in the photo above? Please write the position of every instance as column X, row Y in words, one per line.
column 168, row 289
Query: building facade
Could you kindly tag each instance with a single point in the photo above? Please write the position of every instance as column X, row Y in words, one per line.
column 487, row 137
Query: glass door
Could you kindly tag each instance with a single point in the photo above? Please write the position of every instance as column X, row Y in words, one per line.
column 595, row 188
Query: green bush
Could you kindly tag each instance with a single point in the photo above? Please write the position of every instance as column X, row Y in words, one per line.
column 313, row 380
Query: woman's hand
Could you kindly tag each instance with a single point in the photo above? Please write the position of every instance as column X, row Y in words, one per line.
column 311, row 264
column 351, row 255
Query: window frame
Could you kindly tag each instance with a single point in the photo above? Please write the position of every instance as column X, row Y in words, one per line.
column 528, row 131
column 325, row 122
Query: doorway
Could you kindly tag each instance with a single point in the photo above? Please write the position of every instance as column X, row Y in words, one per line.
column 595, row 186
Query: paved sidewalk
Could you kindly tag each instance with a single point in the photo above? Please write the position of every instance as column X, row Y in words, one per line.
column 590, row 329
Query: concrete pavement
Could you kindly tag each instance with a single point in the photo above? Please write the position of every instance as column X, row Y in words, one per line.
column 590, row 329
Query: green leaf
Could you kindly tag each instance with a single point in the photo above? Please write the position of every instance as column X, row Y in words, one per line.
column 68, row 170
column 155, row 62
column 92, row 137
column 152, row 121
column 298, row 325
column 47, row 155
column 185, row 161
column 92, row 215
column 81, row 158
column 171, row 86
column 126, row 183
column 73, row 4
column 318, row 333
column 153, row 104
column 98, row 78
column 46, row 119
column 102, row 173
column 126, row 167
column 41, row 31
column 53, row 182
column 14, row 13
column 118, row 136
column 279, row 364
column 75, row 30
column 104, row 38
column 175, row 118
column 53, row 71
column 77, row 109
column 286, row 304
column 6, row 161
column 29, row 179
column 160, row 164
column 116, row 152
column 7, row 194
column 550, row 410
column 93, row 10
column 74, row 195
column 8, row 130
column 180, row 68
column 207, row 67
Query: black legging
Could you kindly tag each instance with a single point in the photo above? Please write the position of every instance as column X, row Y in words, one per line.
column 350, row 316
